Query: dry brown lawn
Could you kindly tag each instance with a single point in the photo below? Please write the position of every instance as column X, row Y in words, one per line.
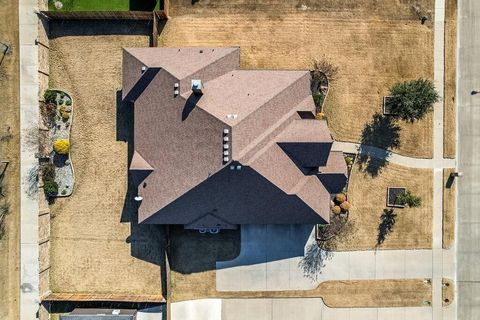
column 9, row 85
column 335, row 294
column 367, row 196
column 448, row 223
column 449, row 129
column 91, row 249
column 374, row 46
column 448, row 291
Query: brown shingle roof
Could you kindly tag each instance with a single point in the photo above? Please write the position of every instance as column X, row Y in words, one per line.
column 180, row 138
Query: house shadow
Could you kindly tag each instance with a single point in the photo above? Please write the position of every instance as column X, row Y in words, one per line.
column 148, row 242
column 268, row 243
column 383, row 133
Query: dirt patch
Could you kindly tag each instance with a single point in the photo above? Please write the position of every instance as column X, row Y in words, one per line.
column 373, row 48
column 448, row 221
column 10, row 150
column 94, row 245
column 367, row 196
column 449, row 116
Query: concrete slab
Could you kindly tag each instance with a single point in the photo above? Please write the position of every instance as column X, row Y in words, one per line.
column 240, row 309
column 205, row 309
column 367, row 271
column 305, row 309
column 390, row 264
column 418, row 263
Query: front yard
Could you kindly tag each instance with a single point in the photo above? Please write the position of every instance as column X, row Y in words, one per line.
column 368, row 197
column 374, row 46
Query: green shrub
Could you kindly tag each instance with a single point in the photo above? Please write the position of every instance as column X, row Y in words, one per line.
column 50, row 188
column 64, row 192
column 49, row 96
column 68, row 102
column 318, row 100
column 409, row 200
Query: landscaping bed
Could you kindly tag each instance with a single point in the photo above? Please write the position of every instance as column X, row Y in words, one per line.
column 57, row 115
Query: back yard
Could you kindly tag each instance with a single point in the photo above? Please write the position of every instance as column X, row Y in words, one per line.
column 95, row 246
column 373, row 46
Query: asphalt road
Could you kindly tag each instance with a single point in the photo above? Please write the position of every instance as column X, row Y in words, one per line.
column 468, row 246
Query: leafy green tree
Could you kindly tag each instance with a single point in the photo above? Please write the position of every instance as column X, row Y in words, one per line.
column 412, row 100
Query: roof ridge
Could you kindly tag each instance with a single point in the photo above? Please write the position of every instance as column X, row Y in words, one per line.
column 271, row 130
column 274, row 96
column 213, row 61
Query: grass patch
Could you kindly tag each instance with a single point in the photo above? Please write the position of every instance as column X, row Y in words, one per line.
column 104, row 5
column 367, row 195
column 448, row 221
column 449, row 115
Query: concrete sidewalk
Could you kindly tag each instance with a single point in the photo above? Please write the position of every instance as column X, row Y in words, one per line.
column 287, row 309
column 29, row 277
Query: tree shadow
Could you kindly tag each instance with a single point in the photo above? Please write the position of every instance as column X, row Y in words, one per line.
column 386, row 225
column 148, row 242
column 316, row 254
column 378, row 137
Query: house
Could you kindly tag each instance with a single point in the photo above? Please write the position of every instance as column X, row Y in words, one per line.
column 100, row 314
column 216, row 146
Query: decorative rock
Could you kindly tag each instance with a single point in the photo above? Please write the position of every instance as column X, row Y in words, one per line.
column 67, row 162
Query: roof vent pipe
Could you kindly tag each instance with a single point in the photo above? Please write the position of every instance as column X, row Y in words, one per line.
column 197, row 86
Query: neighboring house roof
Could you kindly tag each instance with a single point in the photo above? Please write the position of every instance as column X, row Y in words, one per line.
column 180, row 138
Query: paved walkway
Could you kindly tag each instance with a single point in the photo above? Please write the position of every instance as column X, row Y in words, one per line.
column 29, row 278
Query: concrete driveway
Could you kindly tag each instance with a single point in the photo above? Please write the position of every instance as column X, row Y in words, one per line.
column 268, row 260
column 270, row 255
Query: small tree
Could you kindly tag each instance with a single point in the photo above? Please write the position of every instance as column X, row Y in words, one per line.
column 61, row 146
column 408, row 199
column 412, row 100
